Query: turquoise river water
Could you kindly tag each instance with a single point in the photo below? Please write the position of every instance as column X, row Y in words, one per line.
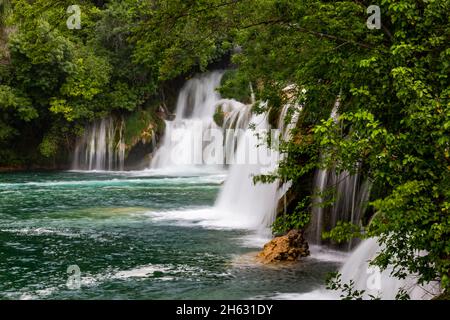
column 134, row 235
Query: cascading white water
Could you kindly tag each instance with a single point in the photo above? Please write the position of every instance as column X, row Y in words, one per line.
column 236, row 121
column 380, row 284
column 241, row 203
column 101, row 147
column 319, row 186
column 286, row 127
column 287, row 121
column 182, row 145
column 253, row 205
column 349, row 192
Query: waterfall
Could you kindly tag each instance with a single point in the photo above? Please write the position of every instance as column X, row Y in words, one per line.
column 101, row 147
column 381, row 284
column 240, row 198
column 349, row 192
column 253, row 205
column 319, row 185
column 244, row 152
column 286, row 127
column 292, row 110
column 183, row 141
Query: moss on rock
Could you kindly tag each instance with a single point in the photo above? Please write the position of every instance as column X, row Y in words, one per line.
column 142, row 126
column 219, row 116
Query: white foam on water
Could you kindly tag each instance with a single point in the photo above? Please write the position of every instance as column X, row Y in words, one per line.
column 212, row 179
column 325, row 254
column 203, row 217
column 140, row 272
column 256, row 239
column 179, row 171
column 40, row 232
column 37, row 294
column 318, row 294
column 159, row 272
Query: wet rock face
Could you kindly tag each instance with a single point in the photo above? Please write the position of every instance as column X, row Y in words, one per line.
column 289, row 247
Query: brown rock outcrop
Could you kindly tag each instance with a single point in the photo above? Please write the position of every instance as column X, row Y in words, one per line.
column 289, row 247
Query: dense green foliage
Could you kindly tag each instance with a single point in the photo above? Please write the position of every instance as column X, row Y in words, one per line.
column 392, row 83
column 298, row 219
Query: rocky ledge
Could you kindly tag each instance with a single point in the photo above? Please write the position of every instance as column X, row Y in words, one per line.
column 289, row 247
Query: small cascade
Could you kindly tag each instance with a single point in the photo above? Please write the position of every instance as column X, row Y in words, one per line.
column 349, row 192
column 183, row 141
column 101, row 147
column 316, row 225
column 320, row 185
column 381, row 284
column 285, row 127
column 253, row 205
column 287, row 121
column 236, row 120
column 352, row 192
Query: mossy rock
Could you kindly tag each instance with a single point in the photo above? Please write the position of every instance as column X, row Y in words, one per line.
column 219, row 116
column 142, row 125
